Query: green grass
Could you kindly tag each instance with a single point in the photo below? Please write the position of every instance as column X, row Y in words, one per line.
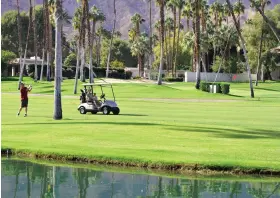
column 243, row 133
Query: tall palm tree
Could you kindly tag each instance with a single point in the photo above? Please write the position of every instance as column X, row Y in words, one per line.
column 58, row 60
column 243, row 46
column 48, row 30
column 161, row 13
column 137, row 20
column 263, row 4
column 226, row 12
column 77, row 26
column 197, row 42
column 112, row 37
column 19, row 36
column 169, row 25
column 151, row 38
column 35, row 42
column 180, row 5
column 27, row 39
column 171, row 4
column 215, row 10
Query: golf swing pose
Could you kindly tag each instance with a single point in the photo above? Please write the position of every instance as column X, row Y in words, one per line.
column 24, row 97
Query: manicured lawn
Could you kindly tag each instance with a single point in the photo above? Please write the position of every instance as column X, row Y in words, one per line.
column 243, row 133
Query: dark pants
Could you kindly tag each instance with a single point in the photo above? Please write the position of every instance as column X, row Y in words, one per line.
column 24, row 103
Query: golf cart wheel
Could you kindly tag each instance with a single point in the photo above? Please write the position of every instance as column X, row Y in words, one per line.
column 94, row 112
column 116, row 111
column 83, row 110
column 106, row 110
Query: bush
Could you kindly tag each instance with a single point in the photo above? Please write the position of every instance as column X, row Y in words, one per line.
column 128, row 74
column 136, row 77
column 180, row 79
column 225, row 88
column 205, row 86
column 219, row 87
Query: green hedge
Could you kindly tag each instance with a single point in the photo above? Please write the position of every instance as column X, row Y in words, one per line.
column 204, row 86
column 225, row 88
column 180, row 79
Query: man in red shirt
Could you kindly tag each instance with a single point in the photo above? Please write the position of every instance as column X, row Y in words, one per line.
column 24, row 98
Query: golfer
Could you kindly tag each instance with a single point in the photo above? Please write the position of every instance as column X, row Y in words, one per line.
column 24, row 98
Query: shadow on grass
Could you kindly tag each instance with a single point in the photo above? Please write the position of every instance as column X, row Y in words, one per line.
column 208, row 131
column 133, row 115
column 237, row 96
column 231, row 133
column 266, row 89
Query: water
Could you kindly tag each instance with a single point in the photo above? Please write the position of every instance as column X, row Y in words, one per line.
column 25, row 179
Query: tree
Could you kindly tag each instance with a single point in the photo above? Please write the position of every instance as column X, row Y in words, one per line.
column 139, row 47
column 197, row 42
column 238, row 9
column 58, row 61
column 161, row 5
column 19, row 35
column 112, row 37
column 151, row 38
column 26, row 46
column 35, row 42
column 6, row 57
column 243, row 46
column 180, row 5
column 187, row 13
column 136, row 20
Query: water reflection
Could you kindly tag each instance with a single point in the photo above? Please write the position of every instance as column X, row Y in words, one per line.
column 26, row 179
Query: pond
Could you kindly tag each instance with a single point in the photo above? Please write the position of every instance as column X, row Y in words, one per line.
column 27, row 179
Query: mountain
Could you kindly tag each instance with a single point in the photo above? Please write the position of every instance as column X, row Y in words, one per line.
column 125, row 10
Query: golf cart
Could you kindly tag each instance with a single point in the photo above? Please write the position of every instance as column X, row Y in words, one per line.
column 90, row 102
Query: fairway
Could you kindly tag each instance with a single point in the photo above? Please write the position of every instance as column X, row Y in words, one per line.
column 236, row 133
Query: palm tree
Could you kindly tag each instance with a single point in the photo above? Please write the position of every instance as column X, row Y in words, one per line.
column 161, row 5
column 197, row 42
column 58, row 60
column 172, row 5
column 169, row 25
column 139, row 47
column 151, row 38
column 76, row 26
column 243, row 46
column 226, row 12
column 137, row 20
column 215, row 10
column 27, row 39
column 239, row 9
column 263, row 4
column 19, row 36
column 48, row 31
column 187, row 13
column 180, row 5
column 35, row 42
column 112, row 37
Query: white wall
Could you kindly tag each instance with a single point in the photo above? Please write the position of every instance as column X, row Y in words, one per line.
column 154, row 73
column 276, row 74
column 221, row 77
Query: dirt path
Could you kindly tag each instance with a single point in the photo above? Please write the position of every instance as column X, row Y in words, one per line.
column 138, row 99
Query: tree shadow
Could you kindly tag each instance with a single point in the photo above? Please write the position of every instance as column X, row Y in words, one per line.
column 267, row 89
column 231, row 133
column 134, row 115
column 237, row 96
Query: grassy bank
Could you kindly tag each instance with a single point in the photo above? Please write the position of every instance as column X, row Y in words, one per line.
column 240, row 136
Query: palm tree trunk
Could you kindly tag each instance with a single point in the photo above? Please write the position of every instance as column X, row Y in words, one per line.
column 243, row 47
column 266, row 20
column 19, row 36
column 77, row 68
column 197, row 43
column 49, row 43
column 259, row 56
column 111, row 41
column 166, row 53
column 35, row 43
column 177, row 47
column 26, row 45
column 42, row 65
column 58, row 62
column 174, row 39
column 83, row 60
column 92, row 35
column 161, row 41
column 151, row 39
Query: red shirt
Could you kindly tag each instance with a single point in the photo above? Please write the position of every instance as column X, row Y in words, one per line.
column 23, row 93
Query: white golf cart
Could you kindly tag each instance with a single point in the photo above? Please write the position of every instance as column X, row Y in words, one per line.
column 90, row 102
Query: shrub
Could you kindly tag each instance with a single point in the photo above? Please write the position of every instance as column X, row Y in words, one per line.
column 117, row 64
column 204, row 86
column 128, row 74
column 136, row 77
column 174, row 79
column 218, row 87
column 225, row 88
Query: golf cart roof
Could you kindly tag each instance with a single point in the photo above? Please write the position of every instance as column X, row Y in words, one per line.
column 97, row 84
